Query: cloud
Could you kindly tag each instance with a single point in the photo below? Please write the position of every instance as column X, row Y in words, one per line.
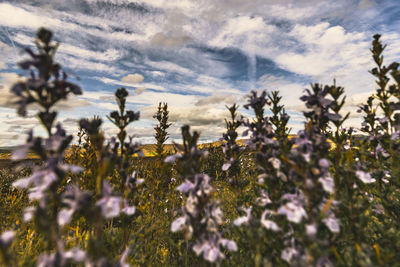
column 109, row 106
column 130, row 84
column 200, row 55
column 161, row 40
column 133, row 78
column 215, row 99
column 327, row 48
column 7, row 98
column 200, row 115
column 70, row 121
column 13, row 16
column 140, row 90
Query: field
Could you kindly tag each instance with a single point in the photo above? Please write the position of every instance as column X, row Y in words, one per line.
column 326, row 196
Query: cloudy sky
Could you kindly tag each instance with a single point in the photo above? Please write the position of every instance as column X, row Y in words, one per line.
column 197, row 55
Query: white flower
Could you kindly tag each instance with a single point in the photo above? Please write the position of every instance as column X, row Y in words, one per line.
column 365, row 177
column 110, row 205
column 124, row 257
column 226, row 166
column 28, row 214
column 41, row 181
column 178, row 224
column 332, row 223
column 217, row 214
column 173, row 158
column 311, row 229
column 128, row 210
column 294, row 212
column 244, row 219
column 75, row 254
column 263, row 199
column 229, row 244
column 7, row 238
column 210, row 251
column 186, row 186
column 191, row 203
column 327, row 183
column 64, row 216
column 268, row 223
column 71, row 168
column 288, row 253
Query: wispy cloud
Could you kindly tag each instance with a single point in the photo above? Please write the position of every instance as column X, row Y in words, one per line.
column 200, row 55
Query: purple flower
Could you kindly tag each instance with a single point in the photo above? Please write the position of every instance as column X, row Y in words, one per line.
column 76, row 200
column 186, row 186
column 110, row 205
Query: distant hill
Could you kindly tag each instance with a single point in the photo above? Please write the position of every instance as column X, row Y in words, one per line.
column 148, row 149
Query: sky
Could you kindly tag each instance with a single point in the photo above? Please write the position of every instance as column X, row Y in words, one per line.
column 196, row 55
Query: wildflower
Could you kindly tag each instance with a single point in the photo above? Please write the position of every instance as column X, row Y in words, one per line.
column 128, row 210
column 327, row 183
column 294, row 212
column 209, row 250
column 226, row 166
column 365, row 177
column 110, row 205
column 28, row 213
column 75, row 200
column 178, row 224
column 288, row 253
column 244, row 219
column 268, row 224
column 332, row 223
column 173, row 158
column 186, row 186
column 132, row 180
column 311, row 229
column 263, row 199
column 124, row 257
column 61, row 257
column 7, row 238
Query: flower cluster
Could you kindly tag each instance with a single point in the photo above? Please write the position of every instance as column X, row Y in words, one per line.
column 49, row 186
column 201, row 217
